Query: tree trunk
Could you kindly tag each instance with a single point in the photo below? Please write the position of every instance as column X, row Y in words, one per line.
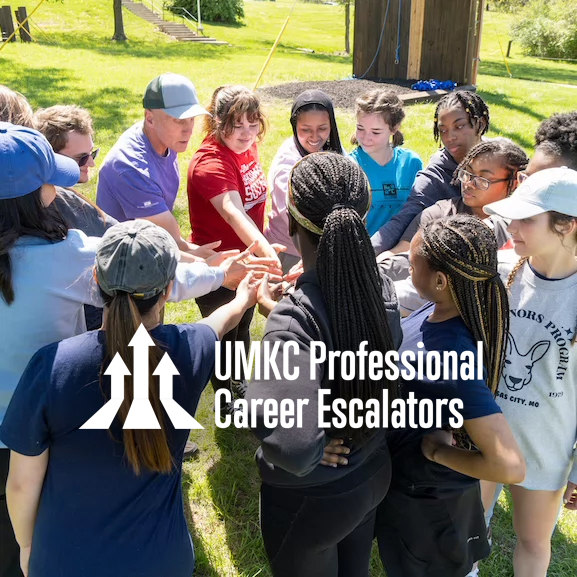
column 119, row 34
column 348, row 26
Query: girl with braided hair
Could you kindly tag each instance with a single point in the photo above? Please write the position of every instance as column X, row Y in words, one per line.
column 318, row 521
column 431, row 522
column 461, row 120
column 488, row 173
column 538, row 387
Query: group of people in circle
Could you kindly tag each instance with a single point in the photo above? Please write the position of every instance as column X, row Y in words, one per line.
column 477, row 246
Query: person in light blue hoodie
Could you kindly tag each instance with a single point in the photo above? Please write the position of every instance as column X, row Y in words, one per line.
column 29, row 171
column 391, row 170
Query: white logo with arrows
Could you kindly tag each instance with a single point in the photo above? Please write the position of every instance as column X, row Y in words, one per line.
column 141, row 414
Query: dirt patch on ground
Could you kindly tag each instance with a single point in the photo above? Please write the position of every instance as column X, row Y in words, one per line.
column 342, row 92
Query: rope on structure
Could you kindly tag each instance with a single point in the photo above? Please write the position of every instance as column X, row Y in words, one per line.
column 45, row 36
column 380, row 41
column 398, row 51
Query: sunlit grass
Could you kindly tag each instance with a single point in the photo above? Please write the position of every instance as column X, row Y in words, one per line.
column 75, row 62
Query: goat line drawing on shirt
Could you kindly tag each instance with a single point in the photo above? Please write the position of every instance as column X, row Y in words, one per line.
column 515, row 382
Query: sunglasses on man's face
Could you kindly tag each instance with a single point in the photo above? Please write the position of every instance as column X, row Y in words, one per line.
column 84, row 159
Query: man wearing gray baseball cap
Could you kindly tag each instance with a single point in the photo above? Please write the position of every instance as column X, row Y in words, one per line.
column 140, row 177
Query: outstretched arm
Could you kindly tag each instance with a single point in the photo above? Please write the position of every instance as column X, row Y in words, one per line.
column 229, row 206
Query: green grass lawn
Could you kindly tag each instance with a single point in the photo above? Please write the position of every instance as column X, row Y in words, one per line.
column 75, row 62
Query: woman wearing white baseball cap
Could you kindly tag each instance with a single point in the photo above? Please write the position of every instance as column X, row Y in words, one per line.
column 538, row 388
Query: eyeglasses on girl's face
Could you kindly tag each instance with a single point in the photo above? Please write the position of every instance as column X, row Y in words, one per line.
column 478, row 182
column 522, row 177
column 84, row 159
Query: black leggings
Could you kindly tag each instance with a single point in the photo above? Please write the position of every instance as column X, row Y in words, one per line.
column 317, row 536
column 207, row 305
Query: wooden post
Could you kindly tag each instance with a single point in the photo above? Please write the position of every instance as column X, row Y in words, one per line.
column 480, row 12
column 21, row 16
column 7, row 23
column 416, row 39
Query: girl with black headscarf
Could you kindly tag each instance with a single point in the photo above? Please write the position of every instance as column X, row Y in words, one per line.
column 314, row 129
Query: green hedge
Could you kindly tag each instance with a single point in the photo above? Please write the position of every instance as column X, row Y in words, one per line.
column 548, row 28
column 229, row 11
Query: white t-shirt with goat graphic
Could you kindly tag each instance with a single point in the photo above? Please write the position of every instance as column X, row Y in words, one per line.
column 538, row 388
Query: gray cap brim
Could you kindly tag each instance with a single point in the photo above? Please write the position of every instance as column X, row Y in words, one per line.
column 514, row 208
column 187, row 111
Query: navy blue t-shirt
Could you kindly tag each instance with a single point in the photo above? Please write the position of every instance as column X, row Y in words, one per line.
column 410, row 467
column 95, row 516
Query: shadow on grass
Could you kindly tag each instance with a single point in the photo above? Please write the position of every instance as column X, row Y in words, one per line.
column 514, row 135
column 235, row 485
column 508, row 130
column 503, row 100
column 50, row 85
column 529, row 71
column 201, row 556
column 135, row 48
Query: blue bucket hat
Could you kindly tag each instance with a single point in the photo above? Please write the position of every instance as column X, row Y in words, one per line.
column 27, row 161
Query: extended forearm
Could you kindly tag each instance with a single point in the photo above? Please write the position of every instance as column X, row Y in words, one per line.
column 508, row 469
column 248, row 232
column 22, row 500
column 226, row 317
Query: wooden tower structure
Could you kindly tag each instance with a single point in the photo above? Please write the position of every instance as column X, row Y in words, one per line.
column 418, row 39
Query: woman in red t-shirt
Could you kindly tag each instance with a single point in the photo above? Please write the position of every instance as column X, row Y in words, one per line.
column 227, row 193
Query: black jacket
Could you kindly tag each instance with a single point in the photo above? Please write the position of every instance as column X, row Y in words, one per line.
column 290, row 457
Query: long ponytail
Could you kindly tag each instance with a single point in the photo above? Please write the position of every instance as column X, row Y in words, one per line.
column 144, row 448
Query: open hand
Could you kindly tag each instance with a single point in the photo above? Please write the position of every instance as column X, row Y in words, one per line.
column 268, row 295
column 205, row 250
column 247, row 290
column 264, row 249
column 219, row 257
column 294, row 272
column 237, row 267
